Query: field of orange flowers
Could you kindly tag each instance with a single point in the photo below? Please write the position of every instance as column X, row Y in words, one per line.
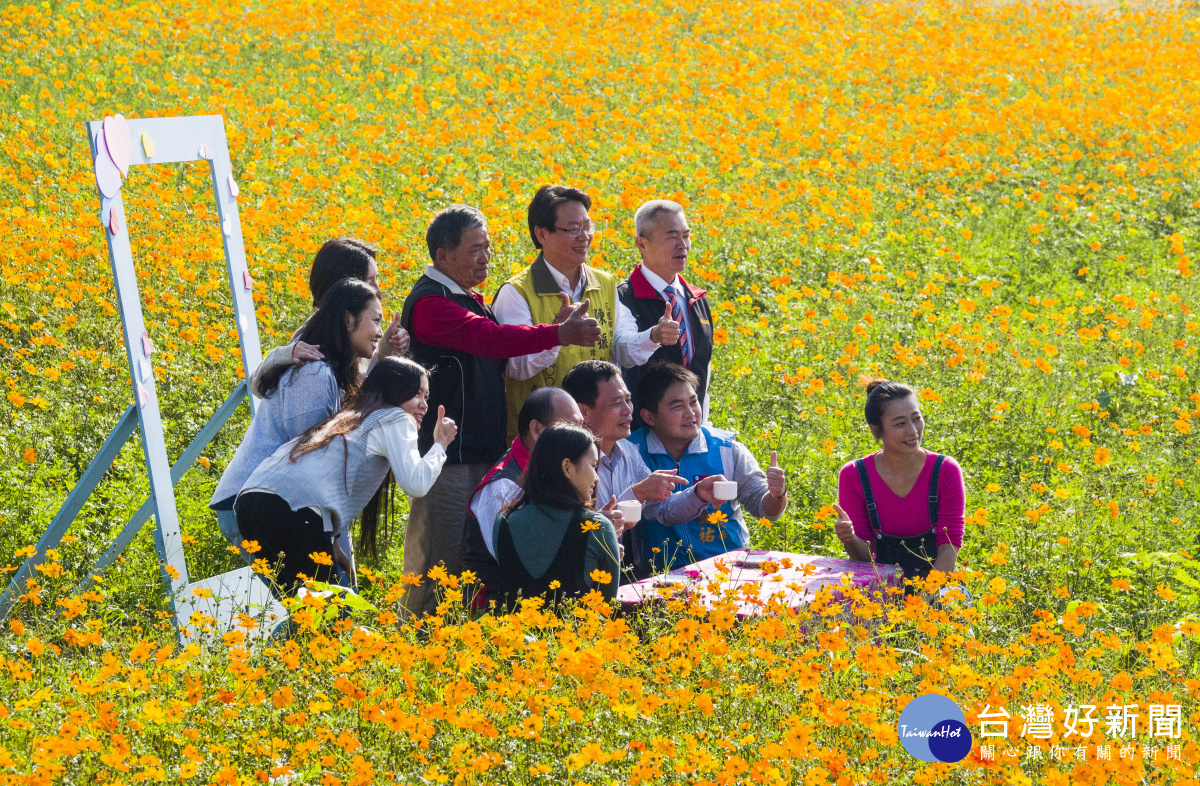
column 998, row 203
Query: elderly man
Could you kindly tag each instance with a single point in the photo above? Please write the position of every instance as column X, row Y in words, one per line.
column 656, row 302
column 501, row 487
column 455, row 334
column 562, row 232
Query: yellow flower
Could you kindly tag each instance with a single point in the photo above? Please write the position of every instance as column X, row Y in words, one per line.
column 556, row 583
column 598, row 577
column 321, row 558
column 1102, row 457
column 590, row 524
column 717, row 517
column 251, row 546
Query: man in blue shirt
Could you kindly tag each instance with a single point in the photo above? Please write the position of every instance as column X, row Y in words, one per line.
column 674, row 439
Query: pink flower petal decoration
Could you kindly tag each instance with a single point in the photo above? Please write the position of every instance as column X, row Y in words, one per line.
column 233, row 189
column 108, row 177
column 118, row 142
column 114, row 221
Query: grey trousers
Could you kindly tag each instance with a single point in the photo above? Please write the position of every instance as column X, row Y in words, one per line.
column 436, row 529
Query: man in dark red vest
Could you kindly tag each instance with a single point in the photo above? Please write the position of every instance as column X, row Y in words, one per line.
column 501, row 487
column 672, row 318
column 455, row 335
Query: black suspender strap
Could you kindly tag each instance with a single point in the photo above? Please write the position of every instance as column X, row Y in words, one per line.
column 933, row 489
column 872, row 512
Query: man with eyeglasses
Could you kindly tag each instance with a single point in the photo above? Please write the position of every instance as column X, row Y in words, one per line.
column 657, row 303
column 544, row 293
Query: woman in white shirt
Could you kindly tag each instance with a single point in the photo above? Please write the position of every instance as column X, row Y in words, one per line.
column 299, row 501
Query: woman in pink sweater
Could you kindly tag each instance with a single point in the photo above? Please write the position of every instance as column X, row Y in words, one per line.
column 902, row 505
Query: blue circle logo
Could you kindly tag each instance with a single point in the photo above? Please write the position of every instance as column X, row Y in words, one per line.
column 933, row 728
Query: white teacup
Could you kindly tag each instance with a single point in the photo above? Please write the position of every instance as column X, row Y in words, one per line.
column 631, row 509
column 725, row 489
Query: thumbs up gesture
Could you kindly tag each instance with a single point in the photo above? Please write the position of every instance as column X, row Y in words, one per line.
column 395, row 339
column 578, row 328
column 844, row 528
column 444, row 429
column 776, row 479
column 614, row 514
column 666, row 332
column 565, row 310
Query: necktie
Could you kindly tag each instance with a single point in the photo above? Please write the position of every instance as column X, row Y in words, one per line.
column 680, row 316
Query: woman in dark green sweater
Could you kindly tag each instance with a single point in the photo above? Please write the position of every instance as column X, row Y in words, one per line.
column 551, row 543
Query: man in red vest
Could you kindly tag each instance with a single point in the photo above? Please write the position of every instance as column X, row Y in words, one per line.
column 659, row 302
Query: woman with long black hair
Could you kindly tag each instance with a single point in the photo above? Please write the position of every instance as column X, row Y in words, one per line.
column 300, row 500
column 348, row 326
column 336, row 259
column 551, row 543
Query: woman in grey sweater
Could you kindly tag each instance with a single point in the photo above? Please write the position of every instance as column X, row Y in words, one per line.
column 297, row 397
column 299, row 501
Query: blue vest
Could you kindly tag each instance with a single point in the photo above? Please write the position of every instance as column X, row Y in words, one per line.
column 699, row 538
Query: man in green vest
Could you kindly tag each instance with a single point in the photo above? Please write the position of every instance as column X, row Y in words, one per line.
column 544, row 292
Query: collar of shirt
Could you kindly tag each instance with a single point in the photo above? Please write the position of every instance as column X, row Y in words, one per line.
column 614, row 456
column 519, row 453
column 659, row 283
column 697, row 445
column 565, row 285
column 444, row 280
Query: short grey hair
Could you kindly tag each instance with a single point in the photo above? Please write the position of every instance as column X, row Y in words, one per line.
column 645, row 215
column 447, row 227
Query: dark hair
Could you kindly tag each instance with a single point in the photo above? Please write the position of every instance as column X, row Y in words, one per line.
column 391, row 382
column 545, row 483
column 880, row 392
column 658, row 379
column 447, row 227
column 584, row 378
column 327, row 328
column 343, row 257
column 538, row 406
column 543, row 209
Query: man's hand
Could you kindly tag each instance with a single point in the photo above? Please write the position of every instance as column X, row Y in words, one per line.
column 565, row 310
column 395, row 339
column 658, row 487
column 704, row 489
column 776, row 478
column 614, row 514
column 578, row 328
column 666, row 332
column 302, row 353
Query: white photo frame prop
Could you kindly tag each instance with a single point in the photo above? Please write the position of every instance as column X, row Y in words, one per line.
column 238, row 598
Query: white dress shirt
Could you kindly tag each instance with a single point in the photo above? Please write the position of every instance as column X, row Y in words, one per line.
column 511, row 308
column 487, row 504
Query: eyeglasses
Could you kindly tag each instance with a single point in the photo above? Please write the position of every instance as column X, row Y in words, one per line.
column 586, row 229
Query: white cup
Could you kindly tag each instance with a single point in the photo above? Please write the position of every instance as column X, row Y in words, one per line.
column 725, row 490
column 631, row 509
